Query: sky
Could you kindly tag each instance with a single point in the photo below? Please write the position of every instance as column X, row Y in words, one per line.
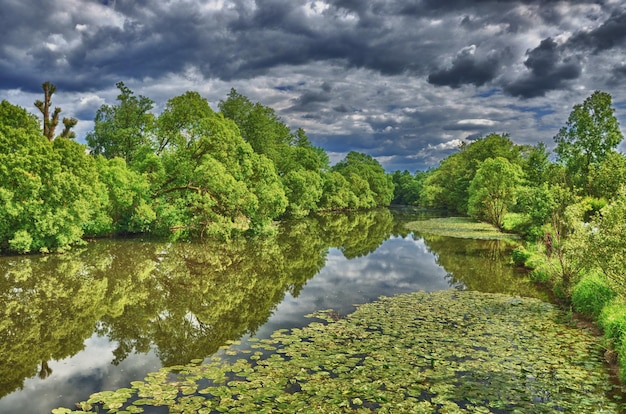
column 405, row 81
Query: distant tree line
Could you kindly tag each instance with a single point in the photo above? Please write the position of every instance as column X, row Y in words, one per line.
column 187, row 172
column 571, row 202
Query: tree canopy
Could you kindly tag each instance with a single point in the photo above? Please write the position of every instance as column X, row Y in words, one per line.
column 187, row 172
column 591, row 133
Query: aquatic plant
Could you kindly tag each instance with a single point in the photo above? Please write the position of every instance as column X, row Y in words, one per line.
column 448, row 351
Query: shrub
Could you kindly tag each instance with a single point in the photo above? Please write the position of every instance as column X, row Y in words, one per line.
column 591, row 294
column 520, row 255
column 612, row 321
column 539, row 276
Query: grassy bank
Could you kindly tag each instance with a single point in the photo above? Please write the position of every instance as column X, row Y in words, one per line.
column 587, row 293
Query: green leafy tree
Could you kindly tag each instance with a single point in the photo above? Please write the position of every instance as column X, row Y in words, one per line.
column 299, row 164
column 261, row 128
column 210, row 179
column 336, row 193
column 493, row 189
column 448, row 185
column 606, row 179
column 367, row 178
column 604, row 243
column 129, row 204
column 303, row 189
column 590, row 134
column 46, row 188
column 536, row 164
column 123, row 130
column 407, row 187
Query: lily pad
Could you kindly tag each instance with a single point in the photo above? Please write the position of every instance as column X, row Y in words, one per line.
column 448, row 351
column 460, row 227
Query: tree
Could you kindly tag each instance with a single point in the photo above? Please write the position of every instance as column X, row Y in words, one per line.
column 536, row 164
column 604, row 242
column 365, row 173
column 448, row 185
column 590, row 134
column 261, row 128
column 407, row 187
column 209, row 179
column 606, row 179
column 45, row 196
column 493, row 189
column 123, row 130
column 50, row 124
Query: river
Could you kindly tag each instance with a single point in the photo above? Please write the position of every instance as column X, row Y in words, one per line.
column 106, row 314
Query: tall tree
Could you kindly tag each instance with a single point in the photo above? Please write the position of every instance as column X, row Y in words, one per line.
column 368, row 179
column 46, row 188
column 590, row 134
column 493, row 189
column 448, row 186
column 123, row 130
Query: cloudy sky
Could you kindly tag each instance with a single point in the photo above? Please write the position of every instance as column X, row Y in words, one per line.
column 402, row 80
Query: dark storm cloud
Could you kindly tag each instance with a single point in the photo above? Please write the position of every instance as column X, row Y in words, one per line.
column 404, row 80
column 549, row 70
column 466, row 69
column 609, row 35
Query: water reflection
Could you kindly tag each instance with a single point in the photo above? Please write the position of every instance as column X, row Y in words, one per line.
column 102, row 316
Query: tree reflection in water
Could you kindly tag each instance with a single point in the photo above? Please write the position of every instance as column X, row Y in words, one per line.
column 184, row 300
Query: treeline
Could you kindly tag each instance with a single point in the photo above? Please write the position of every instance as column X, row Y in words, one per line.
column 188, row 172
column 574, row 196
column 569, row 205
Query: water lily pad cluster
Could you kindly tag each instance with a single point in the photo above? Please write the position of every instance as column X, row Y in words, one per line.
column 460, row 227
column 443, row 352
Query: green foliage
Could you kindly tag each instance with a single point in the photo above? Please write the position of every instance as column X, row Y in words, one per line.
column 536, row 164
column 493, row 189
column 123, row 130
column 336, row 193
column 604, row 243
column 520, row 255
column 448, row 351
column 407, row 187
column 591, row 294
column 590, row 134
column 303, row 189
column 612, row 321
column 48, row 190
column 606, row 179
column 129, row 197
column 211, row 180
column 367, row 178
column 299, row 164
column 260, row 127
column 448, row 186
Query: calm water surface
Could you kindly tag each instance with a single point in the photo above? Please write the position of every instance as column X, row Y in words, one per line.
column 107, row 314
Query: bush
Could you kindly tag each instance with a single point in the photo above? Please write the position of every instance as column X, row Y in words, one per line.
column 591, row 294
column 539, row 276
column 612, row 321
column 520, row 255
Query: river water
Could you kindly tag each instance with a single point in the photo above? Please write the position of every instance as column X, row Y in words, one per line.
column 106, row 314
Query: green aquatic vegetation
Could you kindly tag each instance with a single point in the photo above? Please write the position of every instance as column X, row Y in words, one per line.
column 460, row 227
column 448, row 351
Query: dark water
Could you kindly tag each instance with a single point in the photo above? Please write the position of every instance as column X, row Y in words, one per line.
column 104, row 315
